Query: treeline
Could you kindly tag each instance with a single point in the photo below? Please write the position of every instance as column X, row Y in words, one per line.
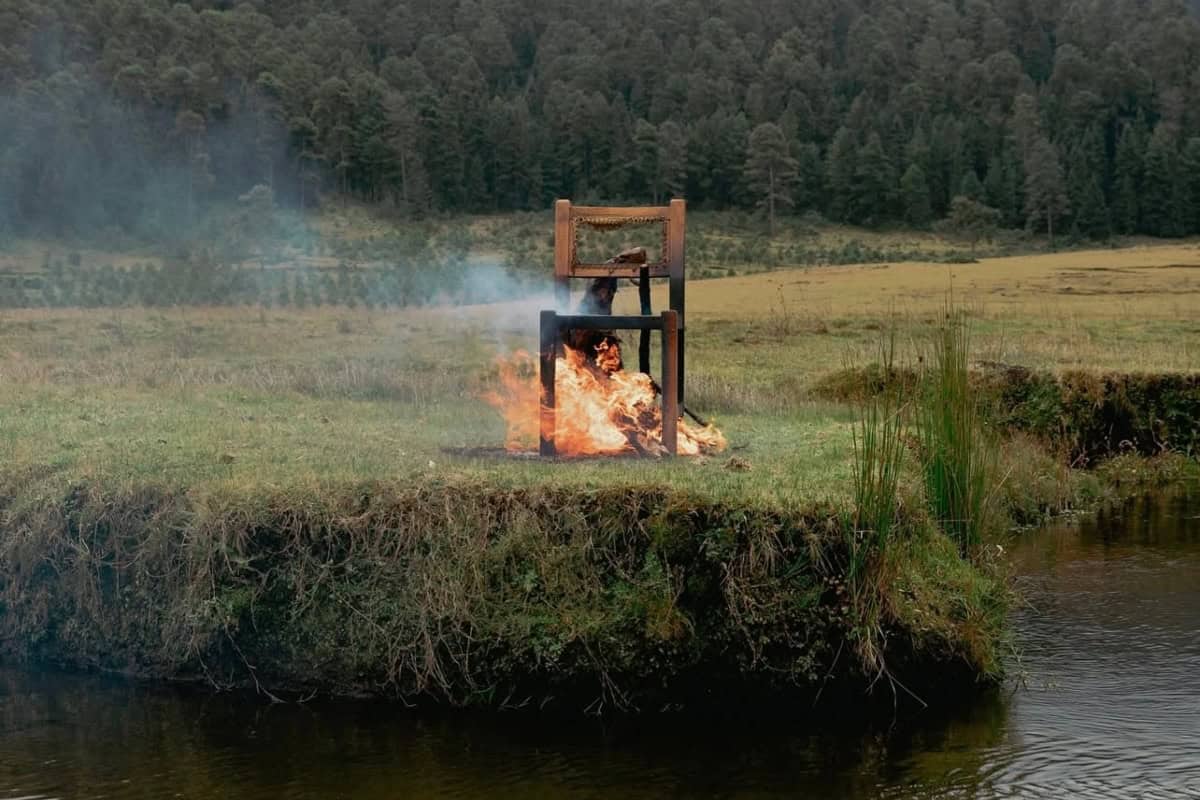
column 1056, row 115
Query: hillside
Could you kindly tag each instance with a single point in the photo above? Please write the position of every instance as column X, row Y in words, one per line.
column 137, row 117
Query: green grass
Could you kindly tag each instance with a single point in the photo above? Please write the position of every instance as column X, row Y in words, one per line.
column 879, row 443
column 144, row 445
column 879, row 456
column 958, row 459
column 220, row 434
column 261, row 439
column 303, row 395
column 235, row 395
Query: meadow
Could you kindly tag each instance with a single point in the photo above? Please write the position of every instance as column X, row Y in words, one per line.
column 285, row 394
column 245, row 462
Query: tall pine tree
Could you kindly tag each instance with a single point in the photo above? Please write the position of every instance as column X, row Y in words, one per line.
column 770, row 170
column 1128, row 170
column 809, row 188
column 839, row 175
column 874, row 184
column 1189, row 167
column 1162, row 190
column 1004, row 187
column 645, row 165
column 1085, row 173
column 914, row 197
column 1046, row 200
column 970, row 186
column 672, row 159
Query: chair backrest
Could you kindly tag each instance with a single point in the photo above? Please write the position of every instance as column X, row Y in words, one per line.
column 569, row 218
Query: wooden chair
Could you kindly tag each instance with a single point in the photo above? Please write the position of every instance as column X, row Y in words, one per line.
column 567, row 266
column 671, row 263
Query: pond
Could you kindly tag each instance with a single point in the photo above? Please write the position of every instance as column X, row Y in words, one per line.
column 1108, row 707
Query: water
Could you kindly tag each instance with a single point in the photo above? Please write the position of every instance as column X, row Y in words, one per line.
column 1110, row 709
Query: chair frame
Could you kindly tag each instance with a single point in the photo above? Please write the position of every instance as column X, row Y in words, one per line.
column 671, row 265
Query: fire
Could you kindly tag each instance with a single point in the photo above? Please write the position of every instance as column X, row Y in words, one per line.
column 601, row 410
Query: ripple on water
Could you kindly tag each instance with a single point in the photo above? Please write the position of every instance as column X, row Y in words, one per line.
column 1111, row 646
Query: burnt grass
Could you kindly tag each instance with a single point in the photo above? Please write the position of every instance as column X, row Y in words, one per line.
column 468, row 594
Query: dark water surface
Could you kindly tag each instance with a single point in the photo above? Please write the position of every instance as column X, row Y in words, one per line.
column 1110, row 709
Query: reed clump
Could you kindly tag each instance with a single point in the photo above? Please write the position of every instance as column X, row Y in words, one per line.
column 958, row 454
column 879, row 450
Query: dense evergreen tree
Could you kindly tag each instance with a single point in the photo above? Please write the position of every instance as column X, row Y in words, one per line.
column 1085, row 176
column 1046, row 198
column 1128, row 173
column 148, row 117
column 809, row 187
column 840, row 166
column 1005, row 186
column 971, row 187
column 914, row 197
column 770, row 170
column 1162, row 188
column 672, row 160
column 1091, row 214
column 1190, row 172
column 874, row 184
column 645, row 167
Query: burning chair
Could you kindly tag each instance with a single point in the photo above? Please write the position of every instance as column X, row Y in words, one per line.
column 631, row 264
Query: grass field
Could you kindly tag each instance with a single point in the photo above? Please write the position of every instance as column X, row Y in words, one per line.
column 179, row 481
column 720, row 244
column 227, row 395
column 285, row 395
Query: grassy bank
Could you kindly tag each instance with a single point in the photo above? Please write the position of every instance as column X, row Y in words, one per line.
column 1085, row 417
column 464, row 592
column 297, row 499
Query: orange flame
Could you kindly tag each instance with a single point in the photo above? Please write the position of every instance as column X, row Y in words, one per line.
column 601, row 410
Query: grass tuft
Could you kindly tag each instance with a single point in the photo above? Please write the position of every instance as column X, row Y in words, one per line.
column 958, row 457
column 878, row 462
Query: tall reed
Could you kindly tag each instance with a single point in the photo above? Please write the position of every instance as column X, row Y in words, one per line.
column 958, row 457
column 879, row 458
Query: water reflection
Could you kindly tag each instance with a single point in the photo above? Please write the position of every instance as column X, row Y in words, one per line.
column 90, row 737
column 1113, row 652
column 1110, row 710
